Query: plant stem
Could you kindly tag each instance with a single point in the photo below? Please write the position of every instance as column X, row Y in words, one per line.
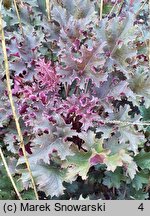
column 101, row 9
column 48, row 9
column 142, row 6
column 112, row 9
column 1, row 4
column 120, row 8
column 66, row 89
column 126, row 122
column 17, row 12
column 9, row 174
column 12, row 104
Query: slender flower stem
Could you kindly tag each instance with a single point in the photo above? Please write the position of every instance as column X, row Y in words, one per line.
column 9, row 174
column 17, row 12
column 48, row 9
column 101, row 9
column 112, row 9
column 120, row 7
column 125, row 122
column 142, row 6
column 66, row 89
column 1, row 4
column 8, row 81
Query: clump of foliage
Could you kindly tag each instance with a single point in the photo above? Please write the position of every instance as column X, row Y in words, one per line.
column 81, row 88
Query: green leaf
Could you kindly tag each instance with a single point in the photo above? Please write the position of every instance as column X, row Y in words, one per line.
column 28, row 195
column 145, row 113
column 113, row 179
column 107, row 8
column 132, row 169
column 6, row 188
column 78, row 165
column 137, row 138
column 113, row 161
column 142, row 178
column 119, row 159
column 42, row 6
column 146, row 116
column 143, row 160
column 114, row 145
column 138, row 195
column 140, row 84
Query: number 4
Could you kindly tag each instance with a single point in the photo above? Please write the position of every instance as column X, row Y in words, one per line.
column 141, row 207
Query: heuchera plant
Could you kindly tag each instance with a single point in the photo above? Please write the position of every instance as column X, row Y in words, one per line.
column 81, row 87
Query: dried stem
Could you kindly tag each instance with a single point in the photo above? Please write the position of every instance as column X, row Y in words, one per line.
column 101, row 9
column 125, row 122
column 142, row 6
column 9, row 174
column 120, row 7
column 66, row 87
column 48, row 9
column 17, row 12
column 112, row 9
column 8, row 81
